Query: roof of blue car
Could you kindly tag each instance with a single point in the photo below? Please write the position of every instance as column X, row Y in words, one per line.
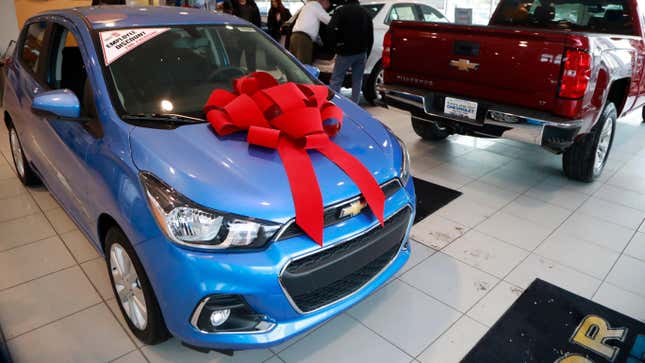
column 114, row 16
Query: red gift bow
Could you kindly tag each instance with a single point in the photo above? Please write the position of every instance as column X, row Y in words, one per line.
column 292, row 118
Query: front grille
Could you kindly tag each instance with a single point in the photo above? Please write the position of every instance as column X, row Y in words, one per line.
column 332, row 214
column 334, row 273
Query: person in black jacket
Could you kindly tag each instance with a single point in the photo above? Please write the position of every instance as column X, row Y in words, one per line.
column 278, row 15
column 247, row 10
column 352, row 34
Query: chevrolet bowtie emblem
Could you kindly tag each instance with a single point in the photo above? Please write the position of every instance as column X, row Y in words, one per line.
column 353, row 209
column 464, row 65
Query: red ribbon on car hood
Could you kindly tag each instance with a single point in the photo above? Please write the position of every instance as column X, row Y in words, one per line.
column 292, row 118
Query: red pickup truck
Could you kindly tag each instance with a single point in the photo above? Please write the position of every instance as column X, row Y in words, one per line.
column 555, row 73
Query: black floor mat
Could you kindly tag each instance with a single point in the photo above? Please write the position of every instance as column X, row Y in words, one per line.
column 431, row 197
column 549, row 324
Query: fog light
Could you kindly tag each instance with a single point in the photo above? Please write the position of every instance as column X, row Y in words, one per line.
column 219, row 317
column 228, row 313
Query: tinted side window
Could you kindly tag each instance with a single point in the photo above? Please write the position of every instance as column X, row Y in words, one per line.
column 33, row 45
column 66, row 68
column 405, row 12
column 610, row 17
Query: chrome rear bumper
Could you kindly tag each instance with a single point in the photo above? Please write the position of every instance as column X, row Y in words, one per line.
column 553, row 133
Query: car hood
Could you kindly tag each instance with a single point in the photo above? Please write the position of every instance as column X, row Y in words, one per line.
column 229, row 175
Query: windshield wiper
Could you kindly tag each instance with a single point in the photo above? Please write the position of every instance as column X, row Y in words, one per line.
column 169, row 118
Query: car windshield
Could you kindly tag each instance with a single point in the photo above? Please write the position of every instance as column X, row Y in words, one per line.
column 612, row 17
column 174, row 70
column 373, row 9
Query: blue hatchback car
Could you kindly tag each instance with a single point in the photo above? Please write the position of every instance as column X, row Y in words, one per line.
column 104, row 105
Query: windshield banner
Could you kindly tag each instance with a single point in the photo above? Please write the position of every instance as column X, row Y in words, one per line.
column 116, row 43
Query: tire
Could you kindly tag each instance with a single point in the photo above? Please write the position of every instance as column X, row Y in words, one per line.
column 643, row 114
column 429, row 130
column 585, row 159
column 25, row 173
column 369, row 86
column 153, row 330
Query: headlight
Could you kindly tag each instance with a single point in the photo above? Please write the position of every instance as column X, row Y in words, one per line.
column 192, row 225
column 405, row 163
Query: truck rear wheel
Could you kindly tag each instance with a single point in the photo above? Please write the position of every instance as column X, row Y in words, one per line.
column 586, row 158
column 429, row 130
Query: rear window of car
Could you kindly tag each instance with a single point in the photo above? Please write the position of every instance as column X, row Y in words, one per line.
column 611, row 17
column 373, row 9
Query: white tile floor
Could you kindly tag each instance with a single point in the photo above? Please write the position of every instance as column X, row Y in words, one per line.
column 518, row 219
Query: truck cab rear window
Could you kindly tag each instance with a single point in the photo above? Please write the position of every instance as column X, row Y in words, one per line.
column 613, row 17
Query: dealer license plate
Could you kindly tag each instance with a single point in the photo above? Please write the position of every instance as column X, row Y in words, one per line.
column 461, row 108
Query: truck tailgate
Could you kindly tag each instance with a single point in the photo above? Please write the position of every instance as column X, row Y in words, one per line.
column 519, row 67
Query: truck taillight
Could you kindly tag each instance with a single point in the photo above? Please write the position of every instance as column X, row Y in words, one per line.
column 576, row 74
column 387, row 50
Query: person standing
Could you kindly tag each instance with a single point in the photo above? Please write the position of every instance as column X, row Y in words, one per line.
column 352, row 34
column 278, row 15
column 247, row 10
column 305, row 30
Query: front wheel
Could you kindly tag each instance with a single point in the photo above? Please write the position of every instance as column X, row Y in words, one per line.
column 370, row 85
column 586, row 158
column 429, row 130
column 132, row 289
column 26, row 174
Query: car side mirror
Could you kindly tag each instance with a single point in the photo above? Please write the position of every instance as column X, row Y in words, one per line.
column 62, row 103
column 313, row 70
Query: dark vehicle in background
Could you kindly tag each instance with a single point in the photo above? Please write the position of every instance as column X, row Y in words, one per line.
column 554, row 73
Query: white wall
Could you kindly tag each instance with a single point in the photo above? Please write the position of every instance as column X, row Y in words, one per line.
column 482, row 9
column 8, row 23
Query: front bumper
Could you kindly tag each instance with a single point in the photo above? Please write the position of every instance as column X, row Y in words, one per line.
column 493, row 120
column 182, row 278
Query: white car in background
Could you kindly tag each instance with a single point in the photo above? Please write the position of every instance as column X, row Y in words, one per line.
column 383, row 13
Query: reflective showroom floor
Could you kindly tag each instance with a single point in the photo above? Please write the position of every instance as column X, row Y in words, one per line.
column 518, row 219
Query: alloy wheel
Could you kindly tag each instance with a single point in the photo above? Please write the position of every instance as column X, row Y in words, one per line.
column 378, row 81
column 128, row 286
column 603, row 146
column 16, row 151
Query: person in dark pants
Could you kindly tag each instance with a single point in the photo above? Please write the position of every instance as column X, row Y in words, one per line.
column 278, row 15
column 352, row 34
column 247, row 10
column 306, row 28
